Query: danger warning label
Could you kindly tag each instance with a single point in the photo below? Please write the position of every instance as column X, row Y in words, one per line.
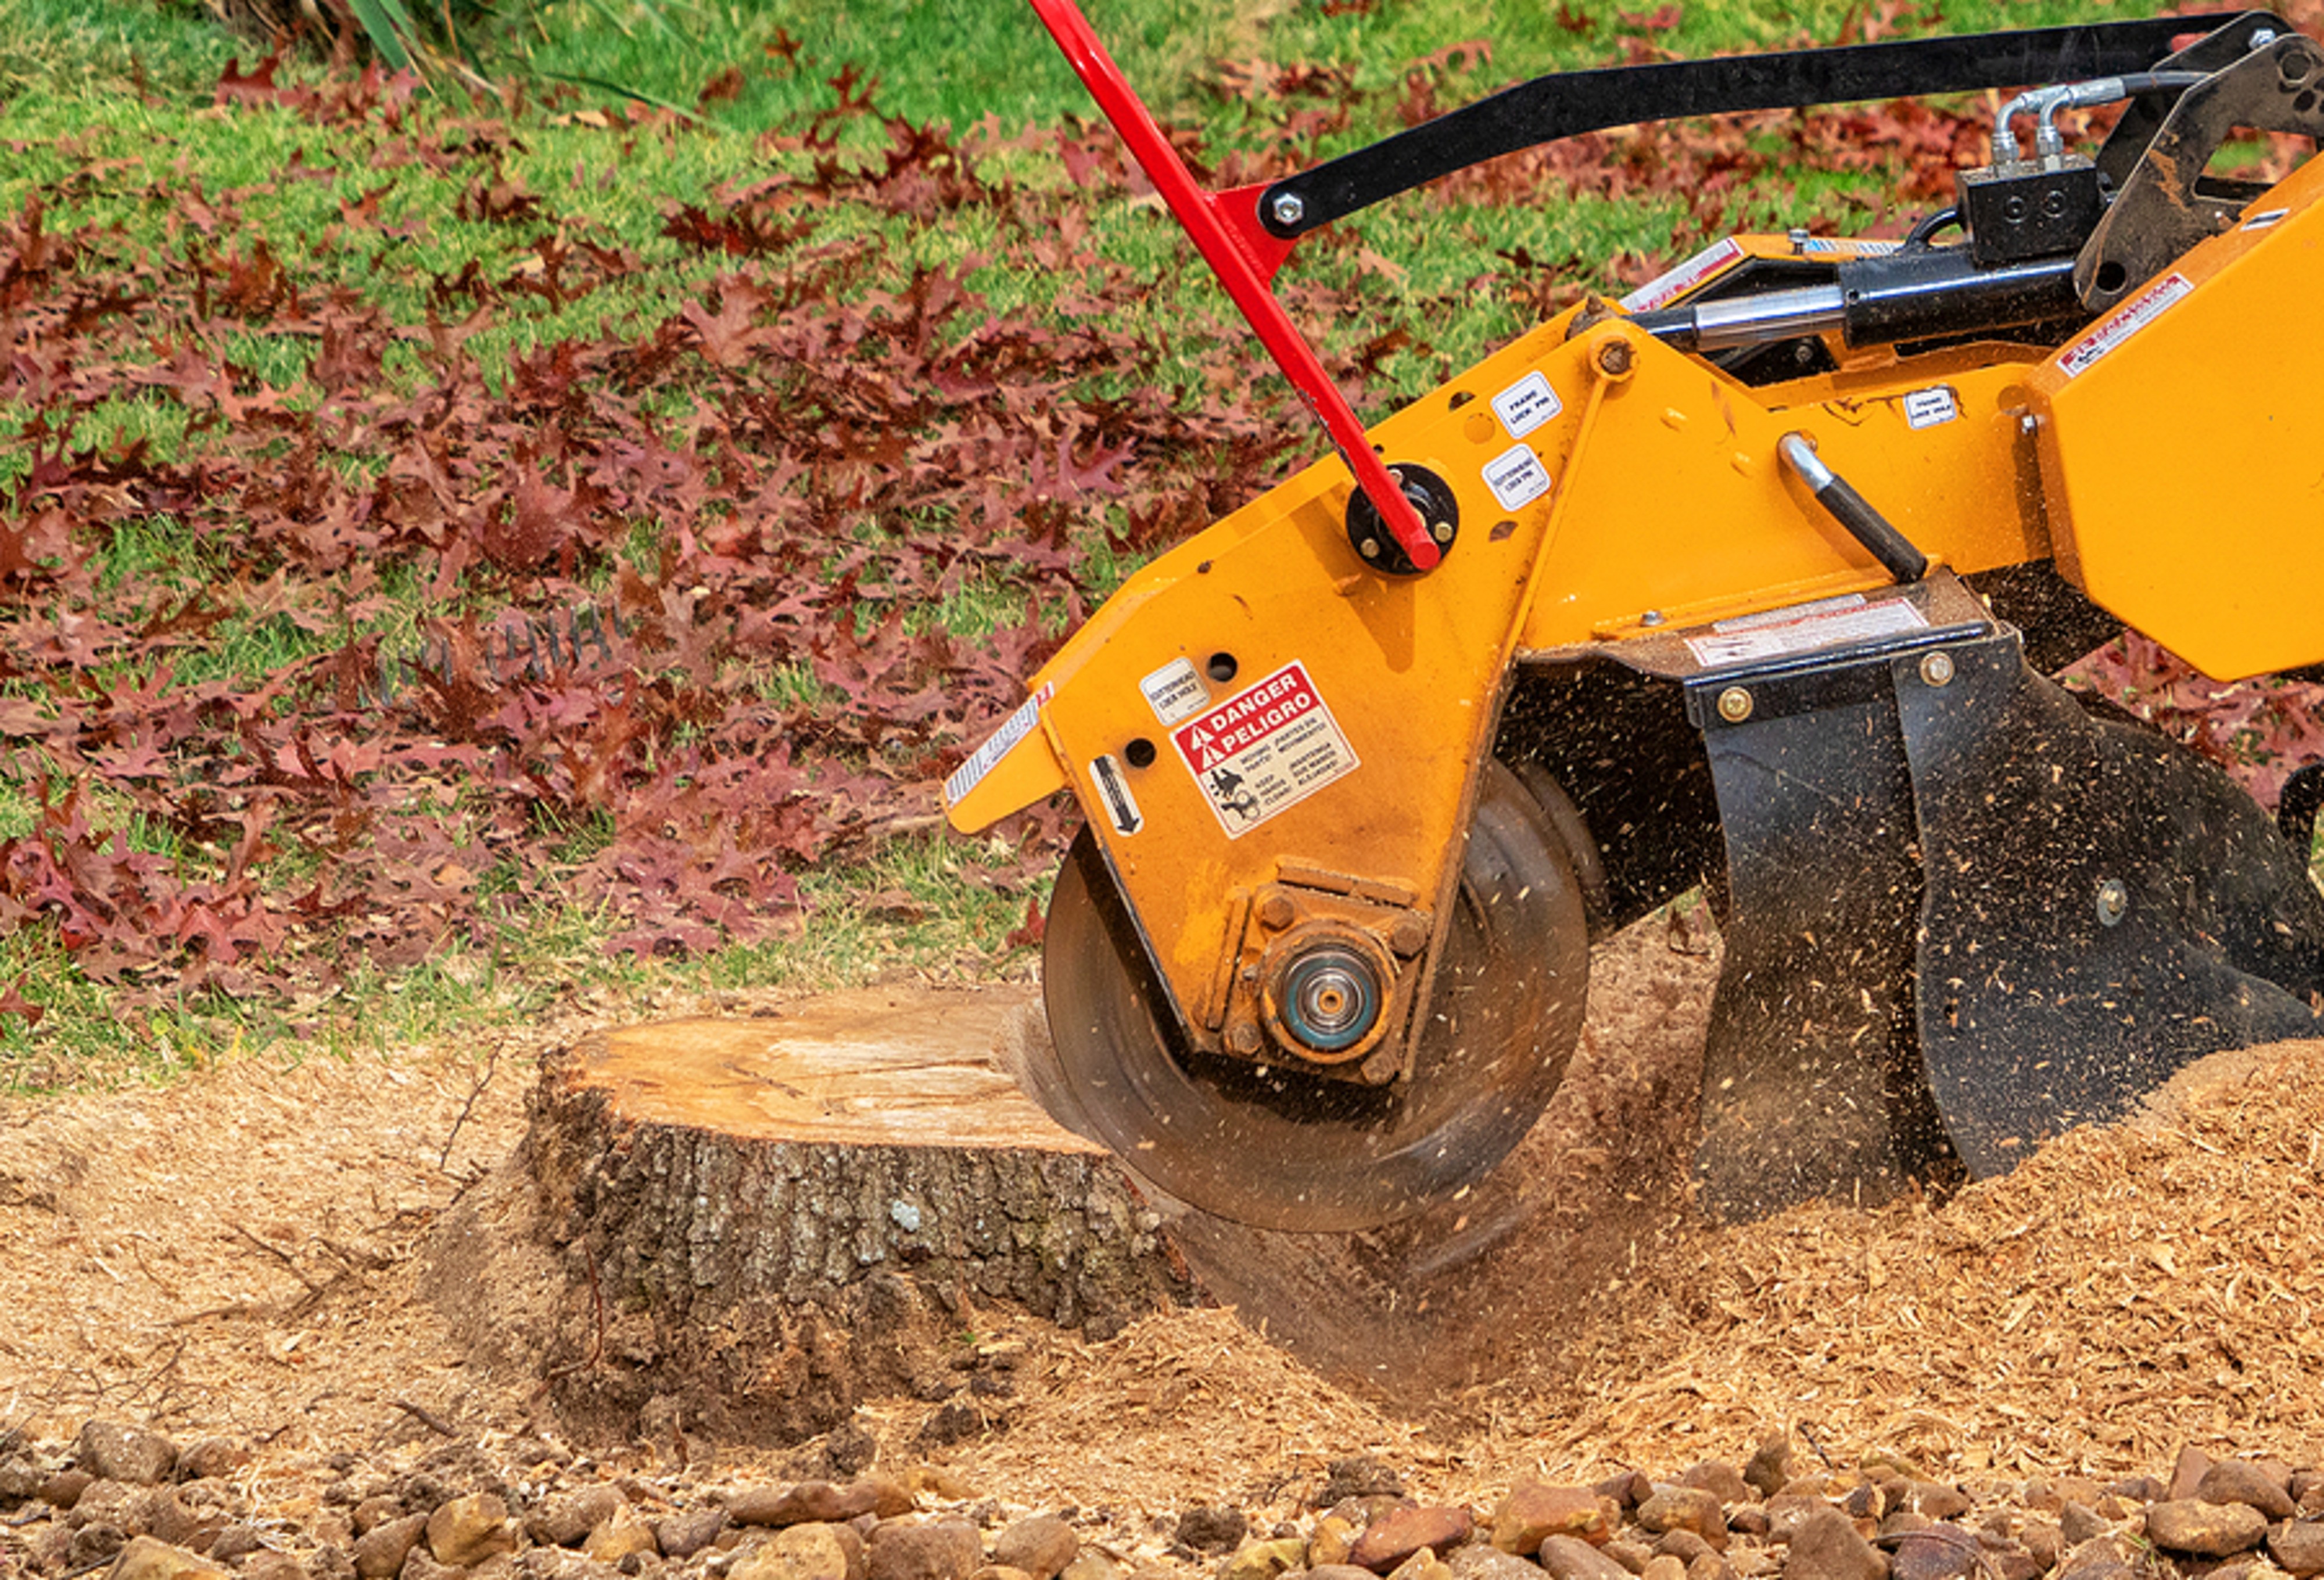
column 1264, row 749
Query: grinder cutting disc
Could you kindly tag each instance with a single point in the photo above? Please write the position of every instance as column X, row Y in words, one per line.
column 1280, row 1149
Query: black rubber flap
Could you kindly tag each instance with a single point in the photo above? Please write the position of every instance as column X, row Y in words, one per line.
column 2102, row 907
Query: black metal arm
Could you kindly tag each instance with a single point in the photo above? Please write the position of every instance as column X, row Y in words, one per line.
column 1568, row 104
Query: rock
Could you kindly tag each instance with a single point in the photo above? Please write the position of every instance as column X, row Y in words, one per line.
column 2104, row 1557
column 1826, row 1546
column 1770, row 1466
column 1422, row 1565
column 235, row 1542
column 1090, row 1564
column 1535, row 1511
column 1398, row 1533
column 1041, row 1546
column 567, row 1519
column 374, row 1512
column 1750, row 1519
column 210, row 1457
column 813, row 1551
column 1569, row 1557
column 1213, row 1527
column 1684, row 1546
column 1753, row 1562
column 1937, row 1500
column 1333, row 1538
column 1629, row 1488
column 923, row 1550
column 162, row 1514
column 1632, row 1555
column 621, row 1533
column 2139, row 1489
column 2078, row 1522
column 269, row 1565
column 2188, row 1472
column 1000, row 1572
column 1357, row 1475
column 2240, row 1481
column 890, row 1498
column 20, row 1479
column 380, row 1551
column 1663, row 1566
column 467, row 1530
column 113, row 1452
column 813, row 1503
column 2211, row 1531
column 1349, row 1572
column 2298, row 1548
column 683, row 1535
column 145, row 1559
column 1676, row 1508
column 1265, row 1560
column 63, row 1490
column 1482, row 1560
column 1720, row 1479
column 1939, row 1552
column 1709, row 1565
column 420, row 1564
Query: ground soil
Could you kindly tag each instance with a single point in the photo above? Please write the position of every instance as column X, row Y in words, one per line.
column 244, row 1254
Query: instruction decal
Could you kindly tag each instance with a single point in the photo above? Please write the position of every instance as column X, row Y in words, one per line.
column 2128, row 319
column 1930, row 407
column 1808, row 627
column 1174, row 690
column 1664, row 290
column 1526, row 404
column 1113, row 789
column 1264, row 751
column 997, row 745
column 1517, row 477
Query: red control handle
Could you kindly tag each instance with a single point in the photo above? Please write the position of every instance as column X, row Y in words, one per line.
column 1226, row 228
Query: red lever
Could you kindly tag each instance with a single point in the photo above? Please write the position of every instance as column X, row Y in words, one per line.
column 1226, row 228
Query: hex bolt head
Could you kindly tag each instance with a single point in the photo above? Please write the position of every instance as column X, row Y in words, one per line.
column 1937, row 668
column 1614, row 358
column 1735, row 704
column 1276, row 910
column 1408, row 936
column 1370, row 547
column 2114, row 902
column 1243, row 1037
column 1288, row 208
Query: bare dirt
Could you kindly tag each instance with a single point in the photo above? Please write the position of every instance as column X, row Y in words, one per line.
column 242, row 1255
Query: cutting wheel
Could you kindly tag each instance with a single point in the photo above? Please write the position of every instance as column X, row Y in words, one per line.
column 1284, row 1149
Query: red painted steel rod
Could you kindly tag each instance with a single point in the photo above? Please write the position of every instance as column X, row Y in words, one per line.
column 1226, row 229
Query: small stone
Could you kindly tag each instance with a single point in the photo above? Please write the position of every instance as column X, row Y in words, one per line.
column 1753, row 1562
column 683, row 1535
column 1089, row 1564
column 2104, row 1557
column 1041, row 1546
column 1349, row 1572
column 1940, row 1552
column 1000, row 1572
column 2211, row 1531
column 1535, row 1511
column 113, row 1452
column 1720, row 1479
column 1827, row 1546
column 1634, row 1557
column 1397, row 1534
column 1482, row 1560
column 467, row 1530
column 145, row 1559
column 63, row 1490
column 1770, row 1466
column 1422, row 1565
column 419, row 1564
column 20, row 1479
column 1709, row 1565
column 235, row 1542
column 889, row 1498
column 935, row 1481
column 1569, row 1557
column 851, row 1448
column 1333, row 1538
column 380, row 1550
column 1357, row 1475
column 567, row 1520
column 1264, row 1561
column 2240, row 1481
column 2188, row 1472
column 374, row 1512
column 2046, row 1540
column 815, row 1502
column 1684, row 1546
column 1213, row 1527
column 2298, row 1548
column 812, row 1551
column 269, row 1565
column 621, row 1533
column 1937, row 1500
column 2139, row 1489
column 210, row 1457
column 1663, row 1566
column 1750, row 1519
column 1676, row 1508
column 924, row 1549
column 1630, row 1488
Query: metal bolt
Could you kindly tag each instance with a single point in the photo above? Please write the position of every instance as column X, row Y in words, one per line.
column 1443, row 533
column 1799, row 238
column 1937, row 668
column 1370, row 547
column 1408, row 936
column 2114, row 902
column 1652, row 617
column 1735, row 704
column 1288, row 208
column 1276, row 910
column 1243, row 1038
column 2029, row 424
column 1614, row 358
column 2262, row 37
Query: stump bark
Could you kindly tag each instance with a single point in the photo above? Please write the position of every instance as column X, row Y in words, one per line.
column 756, row 1223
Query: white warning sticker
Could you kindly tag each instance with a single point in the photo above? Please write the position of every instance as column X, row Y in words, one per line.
column 1811, row 628
column 2267, row 220
column 1113, row 791
column 1174, row 690
column 1264, row 749
column 1666, row 288
column 1930, row 407
column 1516, row 476
column 997, row 745
column 1526, row 404
column 2128, row 319
column 1847, row 247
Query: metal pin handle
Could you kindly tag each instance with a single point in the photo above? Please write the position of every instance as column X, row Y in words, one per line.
column 1867, row 526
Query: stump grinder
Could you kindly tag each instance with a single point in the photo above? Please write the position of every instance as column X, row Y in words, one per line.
column 1749, row 581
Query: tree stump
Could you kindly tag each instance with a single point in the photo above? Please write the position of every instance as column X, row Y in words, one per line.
column 751, row 1224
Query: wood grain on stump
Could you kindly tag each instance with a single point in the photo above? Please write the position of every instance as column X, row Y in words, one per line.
column 762, row 1221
